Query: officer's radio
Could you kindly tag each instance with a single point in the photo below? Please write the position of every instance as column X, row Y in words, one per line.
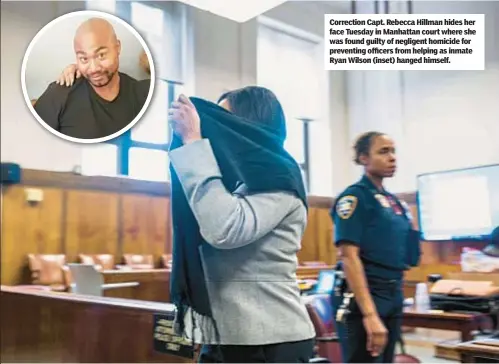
column 340, row 283
column 340, row 291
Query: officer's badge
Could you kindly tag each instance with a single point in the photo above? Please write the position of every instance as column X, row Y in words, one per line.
column 382, row 200
column 346, row 206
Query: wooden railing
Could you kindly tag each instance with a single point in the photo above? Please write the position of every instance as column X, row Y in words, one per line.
column 40, row 326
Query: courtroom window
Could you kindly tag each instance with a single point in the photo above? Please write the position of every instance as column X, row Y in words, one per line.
column 280, row 53
column 153, row 127
column 100, row 160
column 142, row 152
column 148, row 164
column 149, row 22
column 147, row 19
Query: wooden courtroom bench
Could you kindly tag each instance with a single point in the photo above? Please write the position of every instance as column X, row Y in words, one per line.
column 45, row 326
column 154, row 284
column 479, row 351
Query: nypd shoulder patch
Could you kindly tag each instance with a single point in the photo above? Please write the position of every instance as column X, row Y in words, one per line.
column 346, row 206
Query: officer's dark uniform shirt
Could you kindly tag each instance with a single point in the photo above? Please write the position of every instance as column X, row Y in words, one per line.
column 79, row 112
column 378, row 224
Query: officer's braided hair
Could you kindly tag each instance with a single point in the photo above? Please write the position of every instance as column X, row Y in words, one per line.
column 363, row 144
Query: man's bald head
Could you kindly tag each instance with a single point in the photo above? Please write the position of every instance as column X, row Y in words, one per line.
column 97, row 51
column 95, row 27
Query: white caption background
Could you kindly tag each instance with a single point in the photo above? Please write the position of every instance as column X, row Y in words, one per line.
column 404, row 42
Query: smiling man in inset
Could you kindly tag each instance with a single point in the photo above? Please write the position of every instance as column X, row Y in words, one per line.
column 104, row 100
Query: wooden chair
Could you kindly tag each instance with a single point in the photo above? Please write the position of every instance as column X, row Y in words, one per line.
column 320, row 311
column 139, row 261
column 49, row 271
column 100, row 261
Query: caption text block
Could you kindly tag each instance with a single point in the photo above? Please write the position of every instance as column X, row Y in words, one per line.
column 404, row 42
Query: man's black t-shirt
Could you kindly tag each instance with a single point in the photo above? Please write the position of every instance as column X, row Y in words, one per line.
column 78, row 111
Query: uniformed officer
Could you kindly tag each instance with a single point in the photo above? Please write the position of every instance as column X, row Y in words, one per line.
column 492, row 248
column 374, row 233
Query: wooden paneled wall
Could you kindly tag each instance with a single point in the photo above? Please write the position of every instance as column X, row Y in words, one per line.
column 81, row 215
column 437, row 257
column 94, row 215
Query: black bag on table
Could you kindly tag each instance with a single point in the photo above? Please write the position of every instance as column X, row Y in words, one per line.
column 456, row 302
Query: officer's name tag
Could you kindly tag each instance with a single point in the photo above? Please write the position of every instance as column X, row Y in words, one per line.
column 164, row 339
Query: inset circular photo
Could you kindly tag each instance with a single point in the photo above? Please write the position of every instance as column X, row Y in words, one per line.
column 88, row 76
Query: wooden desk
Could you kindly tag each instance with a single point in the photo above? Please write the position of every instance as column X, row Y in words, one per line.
column 40, row 326
column 154, row 284
column 464, row 323
column 479, row 351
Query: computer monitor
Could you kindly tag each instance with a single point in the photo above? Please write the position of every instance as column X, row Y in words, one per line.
column 325, row 282
column 459, row 204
